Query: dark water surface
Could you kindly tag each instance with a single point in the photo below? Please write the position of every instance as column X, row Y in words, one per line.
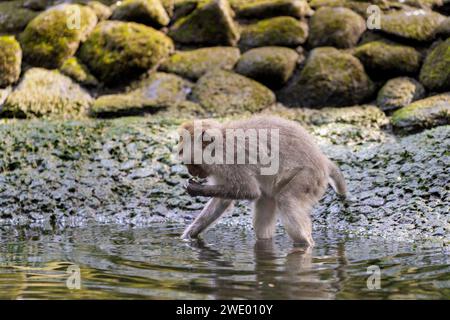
column 152, row 263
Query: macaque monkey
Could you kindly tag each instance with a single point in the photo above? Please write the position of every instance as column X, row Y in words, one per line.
column 283, row 172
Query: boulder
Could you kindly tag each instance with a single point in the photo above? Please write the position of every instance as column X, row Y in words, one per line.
column 103, row 12
column 399, row 92
column 417, row 24
column 386, row 58
column 337, row 27
column 272, row 66
column 43, row 92
column 435, row 72
column 158, row 90
column 210, row 23
column 329, row 78
column 119, row 51
column 10, row 60
column 223, row 92
column 49, row 39
column 279, row 31
column 149, row 12
column 425, row 113
column 271, row 8
column 14, row 17
column 193, row 64
column 73, row 68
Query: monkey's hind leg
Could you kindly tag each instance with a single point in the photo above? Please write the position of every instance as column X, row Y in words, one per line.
column 210, row 213
column 264, row 217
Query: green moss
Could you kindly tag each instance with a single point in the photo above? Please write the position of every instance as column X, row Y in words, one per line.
column 195, row 63
column 118, row 51
column 10, row 60
column 48, row 41
column 435, row 72
column 272, row 66
column 338, row 27
column 420, row 25
column 150, row 12
column 388, row 56
column 329, row 78
column 13, row 17
column 426, row 113
column 102, row 11
column 223, row 92
column 46, row 93
column 399, row 92
column 279, row 31
column 270, row 8
column 210, row 23
column 73, row 68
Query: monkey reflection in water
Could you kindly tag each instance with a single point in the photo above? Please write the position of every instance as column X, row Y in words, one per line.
column 287, row 186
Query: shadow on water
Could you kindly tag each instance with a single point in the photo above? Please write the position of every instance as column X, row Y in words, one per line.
column 153, row 263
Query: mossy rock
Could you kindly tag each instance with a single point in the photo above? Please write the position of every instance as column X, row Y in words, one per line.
column 43, row 92
column 149, row 12
column 210, row 23
column 10, row 60
column 385, row 58
column 329, row 78
column 4, row 93
column 118, row 51
column 425, row 113
column 279, row 31
column 435, row 72
column 73, row 68
column 169, row 6
column 272, row 66
column 48, row 40
column 257, row 9
column 14, row 17
column 103, row 12
column 337, row 27
column 418, row 24
column 399, row 92
column 223, row 92
column 159, row 90
column 193, row 64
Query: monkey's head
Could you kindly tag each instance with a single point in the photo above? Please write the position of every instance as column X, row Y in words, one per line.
column 193, row 138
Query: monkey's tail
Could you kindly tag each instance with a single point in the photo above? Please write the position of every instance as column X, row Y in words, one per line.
column 336, row 179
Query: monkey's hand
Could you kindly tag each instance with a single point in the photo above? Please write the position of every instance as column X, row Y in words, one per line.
column 194, row 188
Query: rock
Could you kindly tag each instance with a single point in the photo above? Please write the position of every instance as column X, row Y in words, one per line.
column 279, row 31
column 425, row 113
column 363, row 116
column 419, row 24
column 43, row 92
column 271, row 8
column 272, row 66
column 337, row 27
column 47, row 40
column 73, row 68
column 159, row 90
column 102, row 11
column 386, row 58
column 329, row 78
column 39, row 5
column 399, row 92
column 224, row 92
column 193, row 64
column 149, row 12
column 435, row 72
column 118, row 51
column 210, row 23
column 13, row 17
column 4, row 93
column 169, row 6
column 10, row 61
column 444, row 28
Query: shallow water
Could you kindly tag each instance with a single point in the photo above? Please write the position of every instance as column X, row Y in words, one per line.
column 152, row 263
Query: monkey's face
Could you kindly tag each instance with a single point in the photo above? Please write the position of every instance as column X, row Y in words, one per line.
column 196, row 171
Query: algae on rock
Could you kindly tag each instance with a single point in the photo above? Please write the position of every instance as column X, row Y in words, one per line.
column 193, row 64
column 10, row 60
column 435, row 72
column 149, row 12
column 223, row 92
column 399, row 92
column 250, row 9
column 14, row 17
column 73, row 68
column 119, row 51
column 43, row 92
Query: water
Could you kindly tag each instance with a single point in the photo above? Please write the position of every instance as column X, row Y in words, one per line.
column 119, row 262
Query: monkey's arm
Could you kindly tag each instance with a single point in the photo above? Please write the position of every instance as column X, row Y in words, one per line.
column 246, row 190
column 210, row 213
